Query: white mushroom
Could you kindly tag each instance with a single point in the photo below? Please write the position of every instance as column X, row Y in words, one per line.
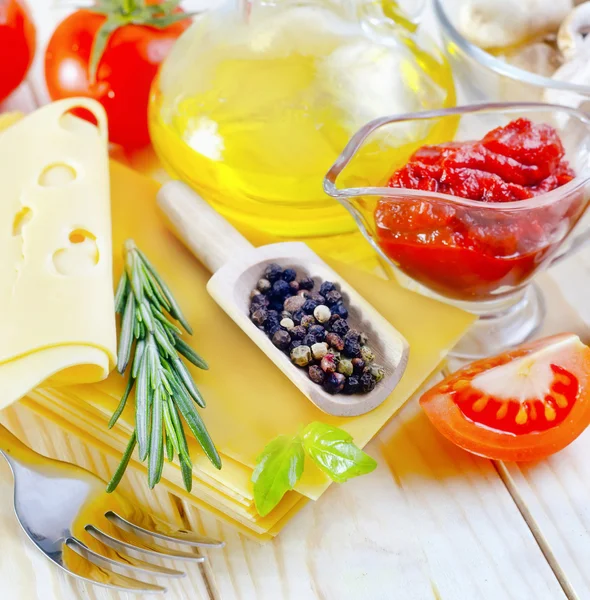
column 501, row 23
column 572, row 35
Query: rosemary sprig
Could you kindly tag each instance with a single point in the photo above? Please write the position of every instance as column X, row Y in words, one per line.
column 150, row 348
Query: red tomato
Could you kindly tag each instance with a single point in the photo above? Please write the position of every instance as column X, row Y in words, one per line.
column 130, row 61
column 522, row 405
column 17, row 45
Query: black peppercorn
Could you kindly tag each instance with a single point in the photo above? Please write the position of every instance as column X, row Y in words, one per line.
column 271, row 328
column 289, row 275
column 264, row 285
column 352, row 349
column 351, row 385
column 273, row 272
column 259, row 316
column 333, row 297
column 340, row 310
column 293, row 303
column 280, row 289
column 352, row 334
column 281, row 339
column 316, row 374
column 318, row 331
column 368, row 382
column 276, row 305
column 339, row 326
column 294, row 285
column 310, row 340
column 334, row 383
column 273, row 314
column 358, row 365
column 294, row 344
column 335, row 341
column 298, row 332
column 306, row 283
column 327, row 286
column 259, row 301
column 297, row 316
column 309, row 306
column 318, row 298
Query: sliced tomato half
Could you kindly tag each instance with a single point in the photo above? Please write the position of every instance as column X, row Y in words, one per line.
column 521, row 405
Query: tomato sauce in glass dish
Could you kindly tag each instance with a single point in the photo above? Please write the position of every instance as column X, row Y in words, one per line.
column 466, row 252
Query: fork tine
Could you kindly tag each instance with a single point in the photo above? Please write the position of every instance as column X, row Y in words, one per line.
column 141, row 546
column 84, row 569
column 134, row 563
column 180, row 536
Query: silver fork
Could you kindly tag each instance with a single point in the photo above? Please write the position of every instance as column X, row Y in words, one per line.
column 90, row 534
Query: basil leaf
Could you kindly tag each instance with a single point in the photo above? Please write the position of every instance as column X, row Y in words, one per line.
column 278, row 469
column 334, row 452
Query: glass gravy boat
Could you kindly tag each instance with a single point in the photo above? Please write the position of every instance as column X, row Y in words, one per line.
column 480, row 256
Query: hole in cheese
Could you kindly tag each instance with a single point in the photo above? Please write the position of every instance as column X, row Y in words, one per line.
column 81, row 257
column 73, row 120
column 57, row 174
column 22, row 217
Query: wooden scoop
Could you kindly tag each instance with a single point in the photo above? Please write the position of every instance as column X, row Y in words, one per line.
column 237, row 267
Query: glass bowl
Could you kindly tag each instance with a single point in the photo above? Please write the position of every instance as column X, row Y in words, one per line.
column 482, row 77
column 480, row 256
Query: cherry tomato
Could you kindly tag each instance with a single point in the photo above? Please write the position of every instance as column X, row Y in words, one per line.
column 17, row 45
column 131, row 58
column 522, row 405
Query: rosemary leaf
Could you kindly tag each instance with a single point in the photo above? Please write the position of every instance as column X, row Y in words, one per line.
column 174, row 308
column 179, row 429
column 163, row 341
column 167, row 324
column 126, row 335
column 186, row 469
column 190, row 354
column 116, row 479
column 171, row 434
column 121, row 294
column 169, row 448
column 156, row 451
column 139, row 350
column 146, row 316
column 122, row 403
column 149, row 278
column 134, row 274
column 183, row 373
column 142, row 408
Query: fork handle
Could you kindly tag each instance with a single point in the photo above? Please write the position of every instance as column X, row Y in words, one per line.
column 14, row 450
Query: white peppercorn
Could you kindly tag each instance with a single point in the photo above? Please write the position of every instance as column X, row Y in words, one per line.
column 319, row 350
column 322, row 313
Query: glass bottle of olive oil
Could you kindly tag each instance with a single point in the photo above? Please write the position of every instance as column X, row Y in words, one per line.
column 253, row 106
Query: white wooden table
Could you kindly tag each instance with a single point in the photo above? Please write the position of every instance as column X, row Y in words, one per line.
column 432, row 522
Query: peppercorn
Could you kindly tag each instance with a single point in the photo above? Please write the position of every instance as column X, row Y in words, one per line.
column 306, row 283
column 273, row 272
column 352, row 349
column 289, row 275
column 322, row 313
column 318, row 331
column 316, row 374
column 328, row 363
column 334, row 383
column 297, row 316
column 345, row 366
column 294, row 344
column 259, row 316
column 285, row 314
column 335, row 341
column 339, row 326
column 260, row 301
column 310, row 340
column 281, row 339
column 308, row 321
column 340, row 309
column 276, row 305
column 377, row 371
column 317, row 298
column 264, row 285
column 273, row 314
column 368, row 382
column 280, row 289
column 309, row 306
column 301, row 355
column 294, row 285
column 367, row 354
column 271, row 328
column 293, row 303
column 333, row 297
column 319, row 350
column 255, row 292
column 351, row 385
column 358, row 365
column 298, row 332
column 327, row 286
column 287, row 323
column 352, row 334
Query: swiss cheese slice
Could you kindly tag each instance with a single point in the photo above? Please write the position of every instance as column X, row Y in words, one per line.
column 56, row 293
